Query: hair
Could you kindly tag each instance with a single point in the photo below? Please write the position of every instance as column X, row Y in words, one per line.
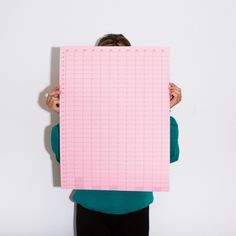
column 113, row 40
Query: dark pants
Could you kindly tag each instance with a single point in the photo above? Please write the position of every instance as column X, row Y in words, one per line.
column 91, row 223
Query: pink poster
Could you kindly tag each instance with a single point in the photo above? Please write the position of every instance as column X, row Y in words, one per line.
column 114, row 118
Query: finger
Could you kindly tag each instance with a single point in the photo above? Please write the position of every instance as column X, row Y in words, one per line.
column 177, row 96
column 47, row 95
column 49, row 99
column 56, row 103
column 171, row 84
column 52, row 101
column 56, row 106
column 174, row 95
column 177, row 90
column 53, row 93
column 175, row 87
column 53, row 90
column 173, row 101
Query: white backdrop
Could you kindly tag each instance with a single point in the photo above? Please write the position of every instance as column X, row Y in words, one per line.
column 202, row 38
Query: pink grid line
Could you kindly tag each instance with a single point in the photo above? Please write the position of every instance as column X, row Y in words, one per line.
column 114, row 118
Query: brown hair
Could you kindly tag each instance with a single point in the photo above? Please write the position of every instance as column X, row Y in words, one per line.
column 113, row 40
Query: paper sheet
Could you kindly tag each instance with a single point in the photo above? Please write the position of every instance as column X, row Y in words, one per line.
column 114, row 118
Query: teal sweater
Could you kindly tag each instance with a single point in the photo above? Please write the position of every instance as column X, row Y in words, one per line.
column 115, row 202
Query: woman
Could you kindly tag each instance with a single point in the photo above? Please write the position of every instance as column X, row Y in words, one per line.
column 103, row 212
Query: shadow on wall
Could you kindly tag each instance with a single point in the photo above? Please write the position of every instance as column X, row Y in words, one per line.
column 54, row 81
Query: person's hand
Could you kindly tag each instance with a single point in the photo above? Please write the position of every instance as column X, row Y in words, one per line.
column 53, row 99
column 175, row 94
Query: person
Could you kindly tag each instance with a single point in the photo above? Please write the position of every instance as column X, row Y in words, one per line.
column 103, row 212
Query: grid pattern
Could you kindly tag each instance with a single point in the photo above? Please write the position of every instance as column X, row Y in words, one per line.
column 114, row 118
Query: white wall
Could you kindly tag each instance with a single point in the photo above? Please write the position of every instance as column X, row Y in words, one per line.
column 202, row 38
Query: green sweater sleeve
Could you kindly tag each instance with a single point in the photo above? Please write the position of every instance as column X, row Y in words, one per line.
column 174, row 136
column 174, row 145
column 55, row 141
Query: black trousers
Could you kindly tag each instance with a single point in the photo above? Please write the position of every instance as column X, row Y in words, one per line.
column 91, row 223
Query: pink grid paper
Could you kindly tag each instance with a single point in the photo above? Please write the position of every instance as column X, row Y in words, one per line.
column 114, row 118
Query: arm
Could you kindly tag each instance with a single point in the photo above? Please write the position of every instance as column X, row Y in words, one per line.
column 174, row 135
column 55, row 141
